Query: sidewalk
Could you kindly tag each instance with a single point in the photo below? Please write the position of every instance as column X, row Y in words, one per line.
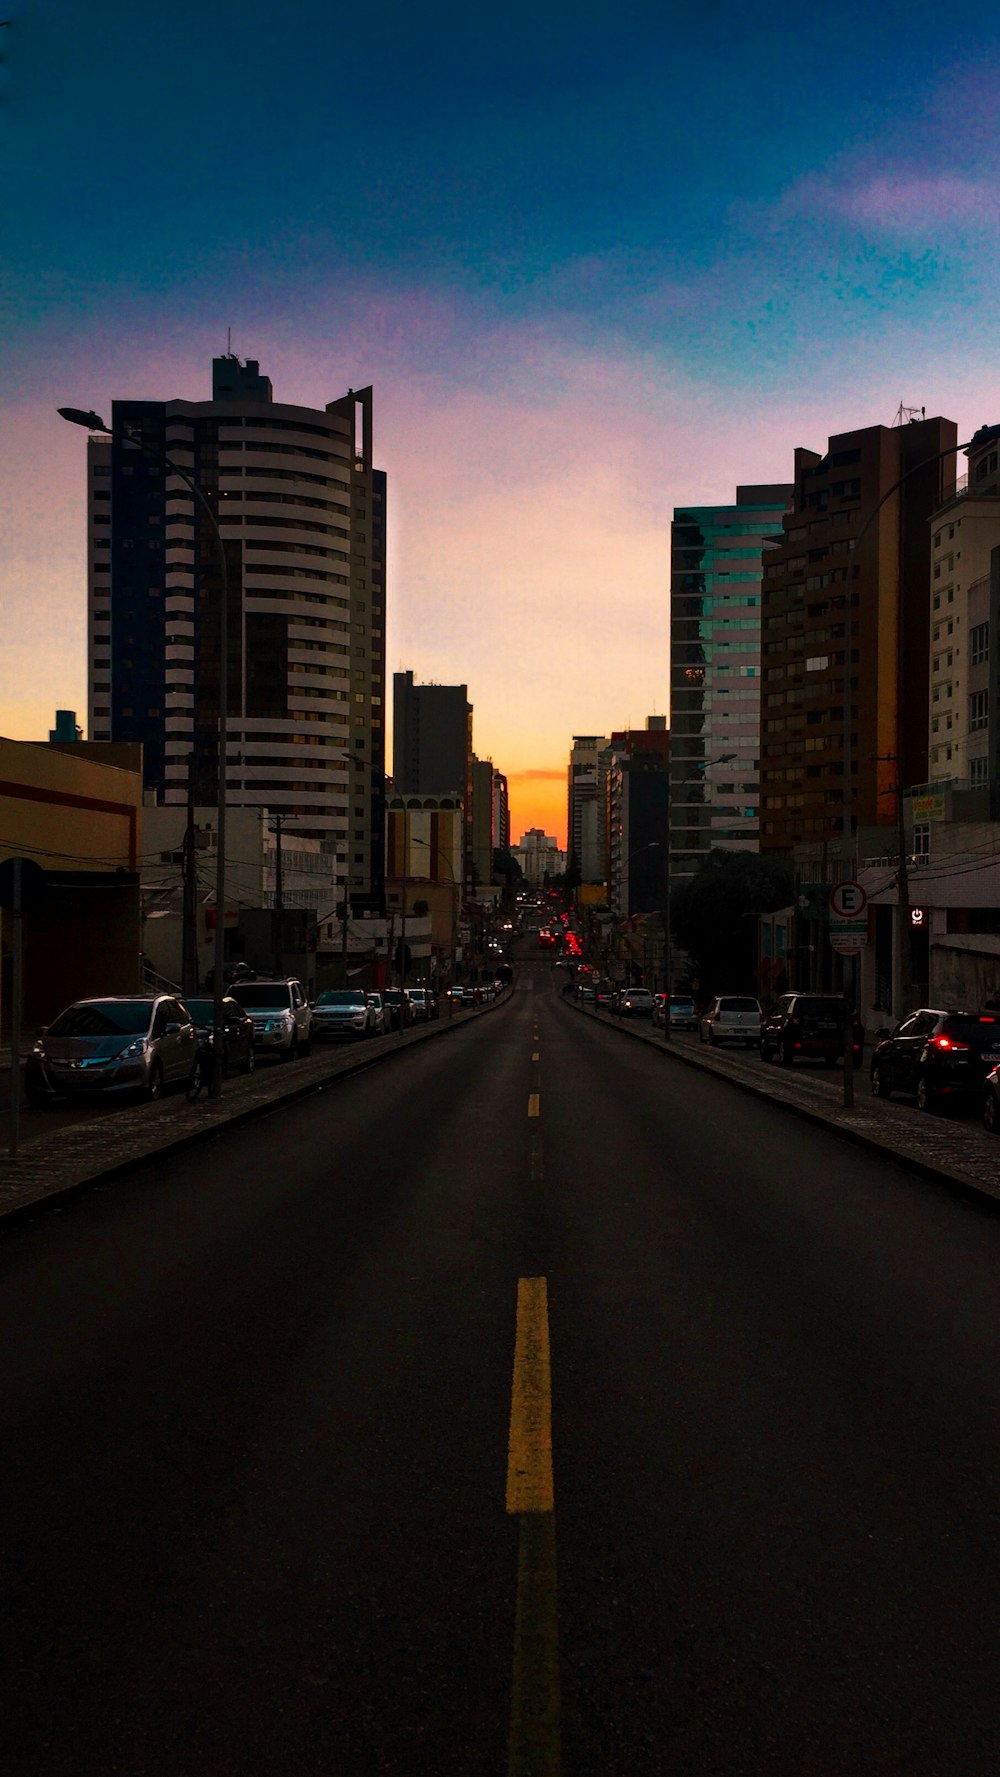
column 57, row 1166
column 956, row 1150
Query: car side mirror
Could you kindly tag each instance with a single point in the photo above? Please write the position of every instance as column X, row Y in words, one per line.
column 172, row 1028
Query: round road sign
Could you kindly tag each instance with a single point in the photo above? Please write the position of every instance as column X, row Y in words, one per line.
column 847, row 900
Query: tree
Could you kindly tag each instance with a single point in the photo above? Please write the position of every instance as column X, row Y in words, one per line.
column 713, row 917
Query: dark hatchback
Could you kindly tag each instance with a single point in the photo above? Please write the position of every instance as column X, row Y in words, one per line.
column 237, row 1029
column 809, row 1026
column 937, row 1056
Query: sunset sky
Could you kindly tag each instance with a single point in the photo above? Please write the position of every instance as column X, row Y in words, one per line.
column 596, row 262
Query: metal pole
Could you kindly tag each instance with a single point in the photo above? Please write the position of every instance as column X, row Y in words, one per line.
column 277, row 941
column 345, row 914
column 16, row 1008
column 189, row 970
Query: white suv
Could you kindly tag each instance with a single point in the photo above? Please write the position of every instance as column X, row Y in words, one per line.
column 280, row 1015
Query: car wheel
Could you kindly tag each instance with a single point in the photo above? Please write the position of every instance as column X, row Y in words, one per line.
column 991, row 1113
column 926, row 1095
column 154, row 1085
column 880, row 1086
column 196, row 1080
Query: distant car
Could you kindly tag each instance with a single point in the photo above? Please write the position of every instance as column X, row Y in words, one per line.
column 424, row 1003
column 636, row 1002
column 376, row 1000
column 397, row 1007
column 587, row 995
column 604, row 996
column 281, row 1017
column 237, row 1041
column 131, row 1043
column 731, row 1018
column 809, row 1026
column 937, row 1056
column 342, row 1012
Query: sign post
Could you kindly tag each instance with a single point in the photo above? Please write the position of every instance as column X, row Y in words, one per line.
column 848, row 936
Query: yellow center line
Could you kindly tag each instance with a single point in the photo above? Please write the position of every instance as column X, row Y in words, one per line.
column 534, row 1100
column 535, row 1056
column 529, row 1446
column 534, row 1745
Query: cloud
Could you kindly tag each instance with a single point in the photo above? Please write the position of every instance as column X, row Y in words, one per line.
column 899, row 206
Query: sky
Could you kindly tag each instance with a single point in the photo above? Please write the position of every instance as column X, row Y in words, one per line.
column 597, row 263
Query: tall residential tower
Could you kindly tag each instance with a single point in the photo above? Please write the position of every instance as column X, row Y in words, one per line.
column 302, row 515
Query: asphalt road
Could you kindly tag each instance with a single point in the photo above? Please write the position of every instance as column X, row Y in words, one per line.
column 257, row 1408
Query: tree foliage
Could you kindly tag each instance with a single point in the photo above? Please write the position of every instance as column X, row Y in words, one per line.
column 712, row 916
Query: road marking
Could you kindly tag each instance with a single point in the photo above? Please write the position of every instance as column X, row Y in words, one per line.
column 534, row 1746
column 534, row 1099
column 535, row 1056
column 537, row 1166
column 529, row 1446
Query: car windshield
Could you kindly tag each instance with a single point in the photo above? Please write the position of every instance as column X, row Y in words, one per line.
column 394, row 996
column 344, row 998
column 202, row 1012
column 735, row 1005
column 103, row 1018
column 682, row 1005
column 261, row 998
column 819, row 1008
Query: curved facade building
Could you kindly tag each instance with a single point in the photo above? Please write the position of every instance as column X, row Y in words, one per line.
column 302, row 516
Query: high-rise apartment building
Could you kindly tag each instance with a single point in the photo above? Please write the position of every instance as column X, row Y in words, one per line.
column 638, row 796
column 481, row 822
column 302, row 515
column 964, row 740
column 585, row 821
column 432, row 736
column 501, row 812
column 808, row 579
column 715, row 666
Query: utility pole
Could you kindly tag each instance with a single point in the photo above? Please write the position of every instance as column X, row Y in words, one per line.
column 189, row 942
column 278, row 916
column 345, row 914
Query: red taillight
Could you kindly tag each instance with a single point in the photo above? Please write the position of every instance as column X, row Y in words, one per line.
column 948, row 1043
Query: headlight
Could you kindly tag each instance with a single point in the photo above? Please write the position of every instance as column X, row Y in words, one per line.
column 133, row 1049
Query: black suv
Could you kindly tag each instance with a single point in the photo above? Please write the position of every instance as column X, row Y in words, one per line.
column 801, row 1026
column 937, row 1056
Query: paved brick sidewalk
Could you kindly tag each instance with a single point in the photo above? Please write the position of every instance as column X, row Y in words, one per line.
column 954, row 1148
column 58, row 1165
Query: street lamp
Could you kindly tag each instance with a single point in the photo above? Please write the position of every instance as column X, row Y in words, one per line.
column 685, row 783
column 94, row 423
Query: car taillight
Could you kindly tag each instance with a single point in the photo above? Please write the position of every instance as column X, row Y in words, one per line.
column 948, row 1043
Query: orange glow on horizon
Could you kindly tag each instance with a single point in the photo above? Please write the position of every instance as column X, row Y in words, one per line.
column 537, row 799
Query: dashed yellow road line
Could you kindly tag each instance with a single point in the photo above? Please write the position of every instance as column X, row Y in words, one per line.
column 535, row 1056
column 529, row 1446
column 534, row 1102
column 534, row 1745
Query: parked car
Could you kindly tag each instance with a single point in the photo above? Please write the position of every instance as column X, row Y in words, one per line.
column 397, row 1008
column 991, row 1102
column 604, row 996
column 636, row 1002
column 809, row 1026
column 281, row 1016
column 731, row 1018
column 424, row 1004
column 237, row 1039
column 937, row 1056
column 682, row 1013
column 376, row 1000
column 130, row 1043
column 342, row 1012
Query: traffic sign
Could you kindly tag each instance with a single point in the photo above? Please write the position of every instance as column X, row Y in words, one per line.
column 847, row 900
column 847, row 941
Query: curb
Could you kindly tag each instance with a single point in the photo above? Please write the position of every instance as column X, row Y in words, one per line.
column 959, row 1181
column 177, row 1143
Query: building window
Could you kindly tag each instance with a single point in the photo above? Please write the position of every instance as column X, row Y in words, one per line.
column 922, row 842
column 979, row 644
column 979, row 710
column 979, row 772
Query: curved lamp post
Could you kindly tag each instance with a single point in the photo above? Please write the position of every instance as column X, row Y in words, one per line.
column 94, row 423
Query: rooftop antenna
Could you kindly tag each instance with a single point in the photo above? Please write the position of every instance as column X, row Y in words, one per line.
column 909, row 416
